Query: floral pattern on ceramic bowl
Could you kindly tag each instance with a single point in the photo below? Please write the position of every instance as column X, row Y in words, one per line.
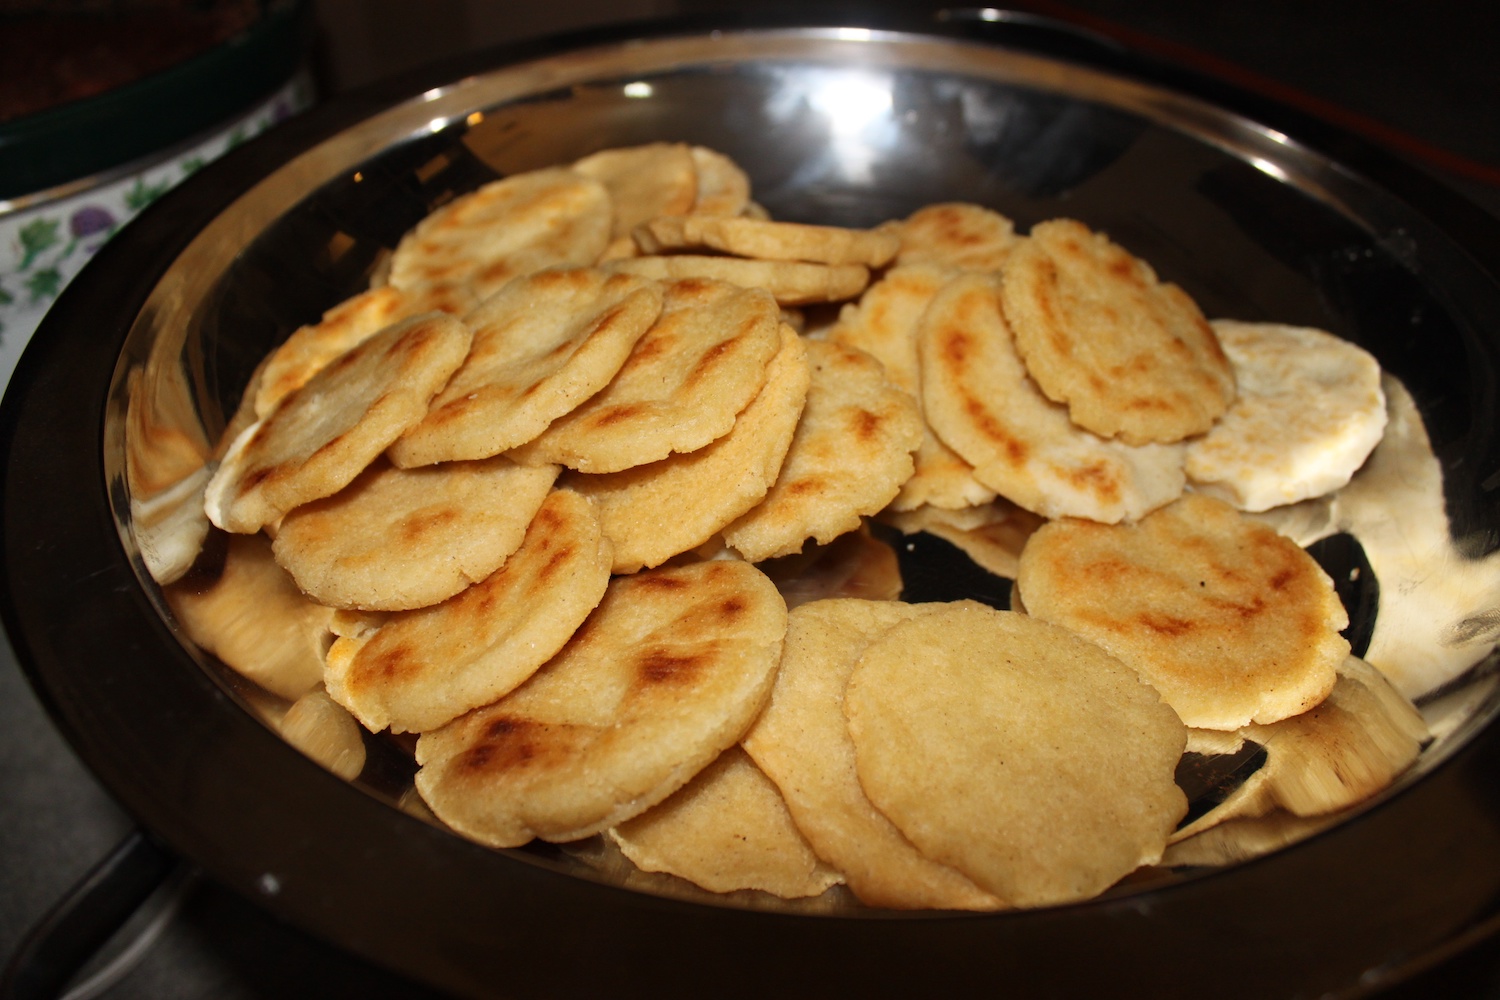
column 43, row 246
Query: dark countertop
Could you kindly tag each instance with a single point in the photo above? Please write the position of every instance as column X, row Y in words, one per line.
column 1418, row 77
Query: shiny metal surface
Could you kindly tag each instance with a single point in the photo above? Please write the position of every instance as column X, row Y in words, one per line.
column 828, row 73
column 845, row 125
column 848, row 125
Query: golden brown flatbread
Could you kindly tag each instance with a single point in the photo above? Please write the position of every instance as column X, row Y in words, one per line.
column 417, row 670
column 326, row 732
column 802, row 742
column 686, row 379
column 1130, row 356
column 397, row 539
column 653, row 512
column 851, row 453
column 1349, row 747
column 659, row 178
column 855, row 564
column 762, row 239
column 992, row 534
column 886, row 323
column 726, row 830
column 520, row 224
column 311, row 347
column 668, row 672
column 791, row 282
column 979, row 400
column 542, row 345
column 956, row 235
column 1015, row 751
column 321, row 436
column 1231, row 622
column 723, row 187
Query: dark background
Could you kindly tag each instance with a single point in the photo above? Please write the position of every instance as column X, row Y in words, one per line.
column 1420, row 78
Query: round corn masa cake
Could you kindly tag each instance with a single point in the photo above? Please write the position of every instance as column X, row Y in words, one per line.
column 791, row 282
column 763, row 239
column 855, row 564
column 1338, row 753
column 885, row 322
column 801, row 741
column 324, row 434
column 993, row 535
column 620, row 248
column 310, row 347
column 1015, row 751
column 1239, row 840
column 420, row 669
column 653, row 512
column 726, row 830
column 253, row 617
column 1130, row 356
column 940, row 478
column 671, row 669
column 542, row 345
column 685, row 380
column 1232, row 622
column 723, row 187
column 955, row 234
column 1309, row 412
column 658, row 178
column 357, row 624
column 397, row 539
column 513, row 226
column 978, row 399
column 849, row 457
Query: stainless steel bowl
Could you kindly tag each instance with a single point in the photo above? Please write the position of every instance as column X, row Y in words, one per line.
column 1257, row 211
